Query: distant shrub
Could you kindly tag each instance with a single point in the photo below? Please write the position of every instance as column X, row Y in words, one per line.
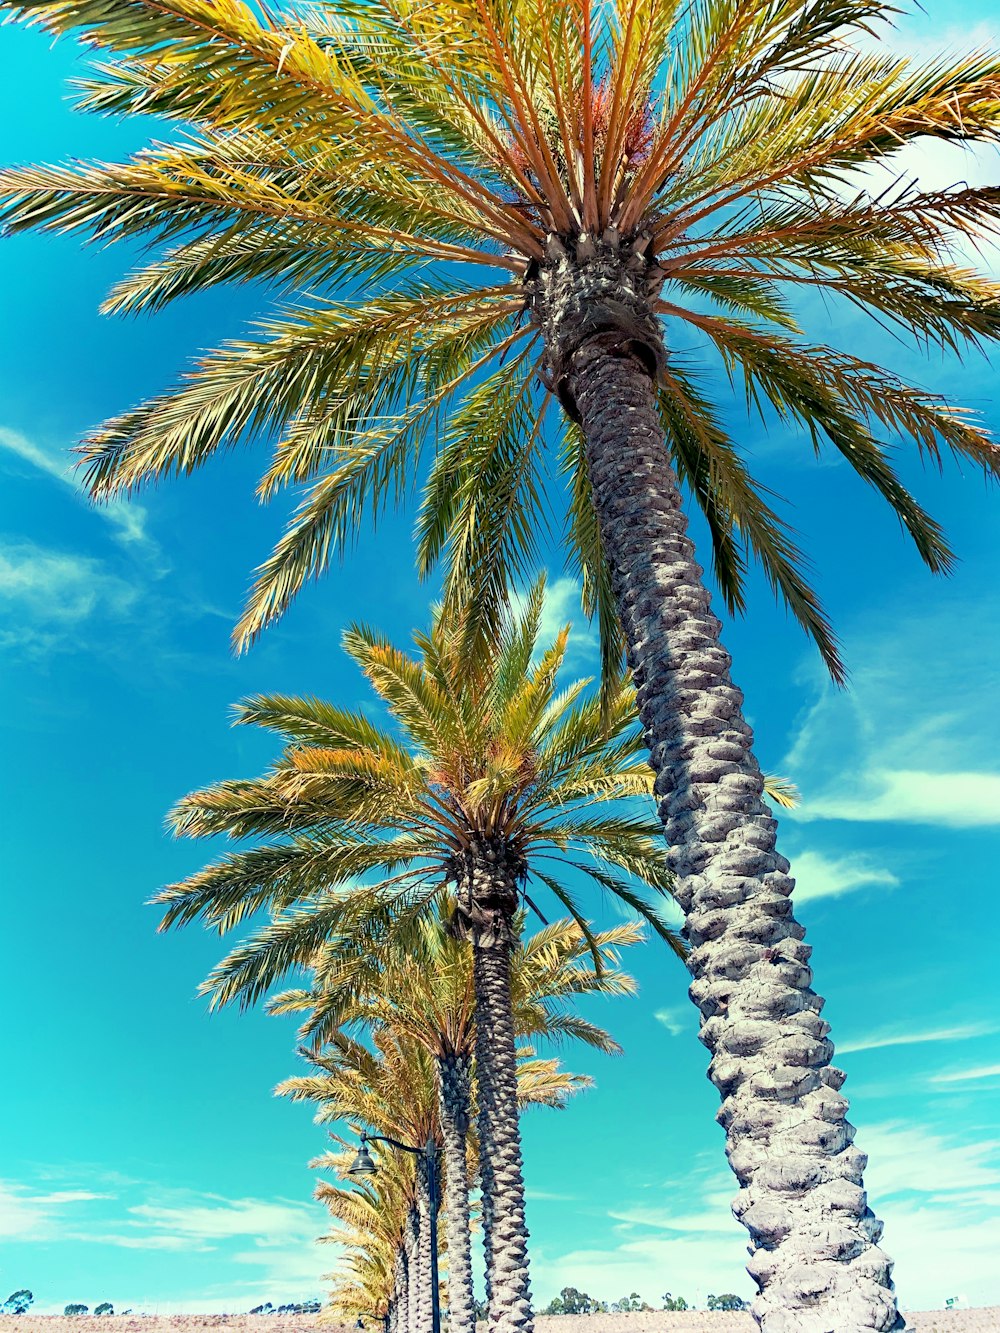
column 727, row 1302
column 105, row 1307
column 18, row 1301
column 76, row 1309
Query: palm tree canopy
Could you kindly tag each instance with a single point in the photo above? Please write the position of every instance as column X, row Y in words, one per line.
column 436, row 158
column 427, row 989
column 358, row 832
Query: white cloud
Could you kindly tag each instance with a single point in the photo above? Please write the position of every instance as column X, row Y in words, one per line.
column 965, row 1075
column 674, row 1020
column 561, row 608
column 914, row 796
column 909, row 1158
column 887, row 1037
column 214, row 1218
column 127, row 519
column 26, row 1215
column 55, row 589
column 819, row 876
column 915, row 738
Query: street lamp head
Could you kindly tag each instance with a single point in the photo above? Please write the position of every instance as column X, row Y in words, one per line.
column 363, row 1165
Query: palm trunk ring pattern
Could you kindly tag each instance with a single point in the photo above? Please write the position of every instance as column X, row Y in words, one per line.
column 814, row 1241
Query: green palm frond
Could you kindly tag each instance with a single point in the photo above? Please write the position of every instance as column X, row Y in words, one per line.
column 426, row 156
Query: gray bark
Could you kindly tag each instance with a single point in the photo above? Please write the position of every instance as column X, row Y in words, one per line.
column 486, row 902
column 814, row 1251
column 421, row 1297
column 454, row 1093
column 411, row 1244
column 500, row 1141
column 398, row 1322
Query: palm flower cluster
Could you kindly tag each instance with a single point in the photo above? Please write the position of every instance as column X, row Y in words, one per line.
column 504, row 224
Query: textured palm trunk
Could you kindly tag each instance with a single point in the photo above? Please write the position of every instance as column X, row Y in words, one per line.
column 454, row 1095
column 421, row 1298
column 487, row 878
column 813, row 1238
column 414, row 1275
column 485, row 1201
column 398, row 1313
column 500, row 1141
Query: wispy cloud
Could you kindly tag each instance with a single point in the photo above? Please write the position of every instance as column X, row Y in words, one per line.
column 561, row 608
column 894, row 1037
column 674, row 1020
column 272, row 1242
column 914, row 796
column 56, row 589
column 819, row 876
column 904, row 745
column 212, row 1218
column 27, row 1214
column 968, row 1075
column 127, row 520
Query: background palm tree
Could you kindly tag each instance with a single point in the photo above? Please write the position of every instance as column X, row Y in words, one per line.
column 372, row 1220
column 493, row 782
column 394, row 1090
column 424, row 989
column 616, row 170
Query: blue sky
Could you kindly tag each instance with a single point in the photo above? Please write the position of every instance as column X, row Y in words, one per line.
column 145, row 1160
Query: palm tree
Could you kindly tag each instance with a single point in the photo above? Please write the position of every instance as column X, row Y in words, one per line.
column 394, row 1090
column 604, row 175
column 426, row 992
column 373, row 1219
column 496, row 786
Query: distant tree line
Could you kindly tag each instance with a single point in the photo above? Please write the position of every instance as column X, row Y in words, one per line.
column 298, row 1307
column 571, row 1301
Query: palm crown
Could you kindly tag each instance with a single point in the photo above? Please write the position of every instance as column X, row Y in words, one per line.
column 427, row 990
column 364, row 832
column 439, row 157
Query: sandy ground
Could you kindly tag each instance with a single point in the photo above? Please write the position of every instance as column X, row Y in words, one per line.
column 695, row 1321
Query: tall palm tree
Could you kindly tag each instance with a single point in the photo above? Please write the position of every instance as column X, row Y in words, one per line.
column 616, row 180
column 426, row 991
column 494, row 786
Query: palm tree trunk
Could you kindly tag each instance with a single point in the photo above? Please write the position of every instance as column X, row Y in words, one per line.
column 500, row 1140
column 455, row 1099
column 424, row 1315
column 399, row 1322
column 411, row 1242
column 814, row 1240
column 486, row 1188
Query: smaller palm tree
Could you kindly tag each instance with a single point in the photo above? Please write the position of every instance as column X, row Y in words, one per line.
column 393, row 1089
column 494, row 786
column 374, row 1223
column 425, row 992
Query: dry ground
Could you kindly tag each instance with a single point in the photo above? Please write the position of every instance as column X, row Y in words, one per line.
column 934, row 1321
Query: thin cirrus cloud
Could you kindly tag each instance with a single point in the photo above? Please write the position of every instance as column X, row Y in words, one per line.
column 912, row 796
column 674, row 1020
column 57, row 587
column 27, row 1214
column 903, row 745
column 875, row 1041
column 968, row 1075
column 128, row 521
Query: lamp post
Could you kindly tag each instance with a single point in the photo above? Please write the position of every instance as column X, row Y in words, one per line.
column 364, row 1165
